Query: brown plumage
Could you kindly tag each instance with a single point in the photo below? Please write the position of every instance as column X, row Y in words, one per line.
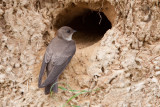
column 57, row 56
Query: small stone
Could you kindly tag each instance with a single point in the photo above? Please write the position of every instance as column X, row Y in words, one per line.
column 157, row 73
column 154, row 80
column 1, row 12
column 17, row 65
column 127, row 75
column 9, row 69
column 2, row 78
column 24, row 2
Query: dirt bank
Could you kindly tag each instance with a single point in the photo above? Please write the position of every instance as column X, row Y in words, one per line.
column 118, row 51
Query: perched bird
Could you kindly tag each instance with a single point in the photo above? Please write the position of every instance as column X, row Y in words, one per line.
column 57, row 56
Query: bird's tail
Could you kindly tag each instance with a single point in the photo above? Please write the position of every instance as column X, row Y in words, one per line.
column 54, row 88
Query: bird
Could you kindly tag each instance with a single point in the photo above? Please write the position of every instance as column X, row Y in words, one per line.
column 58, row 54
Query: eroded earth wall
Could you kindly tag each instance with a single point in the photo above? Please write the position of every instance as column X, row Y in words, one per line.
column 124, row 64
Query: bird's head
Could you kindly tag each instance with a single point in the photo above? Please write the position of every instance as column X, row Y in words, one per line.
column 66, row 33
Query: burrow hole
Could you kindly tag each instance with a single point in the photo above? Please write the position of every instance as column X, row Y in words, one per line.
column 90, row 25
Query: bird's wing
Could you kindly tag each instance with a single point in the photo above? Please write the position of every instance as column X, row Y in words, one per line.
column 59, row 60
column 43, row 68
column 57, row 69
column 46, row 59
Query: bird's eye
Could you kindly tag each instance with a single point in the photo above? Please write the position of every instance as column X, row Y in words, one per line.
column 68, row 31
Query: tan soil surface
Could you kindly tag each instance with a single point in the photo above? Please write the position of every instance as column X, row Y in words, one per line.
column 122, row 60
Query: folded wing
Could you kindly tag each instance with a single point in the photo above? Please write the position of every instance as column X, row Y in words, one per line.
column 59, row 64
column 57, row 70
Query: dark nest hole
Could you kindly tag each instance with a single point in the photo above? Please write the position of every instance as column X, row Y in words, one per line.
column 91, row 27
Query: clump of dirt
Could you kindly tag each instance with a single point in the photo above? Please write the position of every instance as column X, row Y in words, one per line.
column 118, row 51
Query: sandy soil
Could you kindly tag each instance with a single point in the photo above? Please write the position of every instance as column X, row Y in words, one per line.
column 121, row 57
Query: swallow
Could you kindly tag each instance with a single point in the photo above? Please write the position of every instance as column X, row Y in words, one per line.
column 58, row 54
